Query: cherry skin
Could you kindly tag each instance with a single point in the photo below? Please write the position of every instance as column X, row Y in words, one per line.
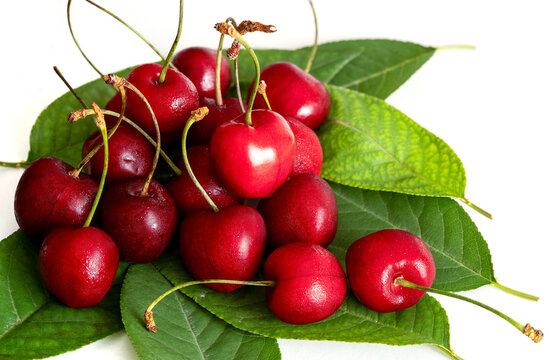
column 295, row 93
column 310, row 283
column 201, row 132
column 198, row 64
column 47, row 197
column 229, row 244
column 141, row 226
column 78, row 266
column 308, row 154
column 184, row 191
column 253, row 161
column 171, row 101
column 304, row 209
column 376, row 260
column 130, row 155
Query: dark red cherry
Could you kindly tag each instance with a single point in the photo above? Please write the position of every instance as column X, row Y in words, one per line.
column 141, row 226
column 184, row 191
column 171, row 101
column 304, row 209
column 47, row 197
column 295, row 93
column 376, row 260
column 308, row 154
column 78, row 265
column 253, row 161
column 310, row 283
column 130, row 155
column 198, row 64
column 229, row 244
column 201, row 132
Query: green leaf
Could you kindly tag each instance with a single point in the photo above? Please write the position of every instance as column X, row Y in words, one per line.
column 461, row 254
column 185, row 331
column 246, row 309
column 369, row 144
column 376, row 67
column 35, row 325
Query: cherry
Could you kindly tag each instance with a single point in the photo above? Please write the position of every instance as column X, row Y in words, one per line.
column 304, row 209
column 130, row 155
column 375, row 261
column 198, row 64
column 310, row 283
column 295, row 93
column 140, row 225
column 187, row 196
column 253, row 161
column 218, row 114
column 228, row 244
column 78, row 265
column 48, row 197
column 308, row 155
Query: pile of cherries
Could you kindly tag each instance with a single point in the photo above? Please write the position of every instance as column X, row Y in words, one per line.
column 267, row 150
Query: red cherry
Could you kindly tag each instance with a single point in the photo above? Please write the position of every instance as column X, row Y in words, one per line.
column 308, row 154
column 376, row 260
column 78, row 266
column 198, row 64
column 253, row 161
column 304, row 209
column 130, row 155
column 295, row 93
column 184, row 191
column 47, row 197
column 310, row 283
column 226, row 245
column 171, row 101
column 201, row 132
column 141, row 226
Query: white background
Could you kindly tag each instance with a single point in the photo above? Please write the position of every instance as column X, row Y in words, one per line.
column 489, row 105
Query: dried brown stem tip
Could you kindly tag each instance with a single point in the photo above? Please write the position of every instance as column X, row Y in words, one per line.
column 115, row 80
column 232, row 52
column 226, row 29
column 262, row 87
column 149, row 321
column 535, row 335
column 247, row 26
column 79, row 114
column 200, row 113
column 100, row 121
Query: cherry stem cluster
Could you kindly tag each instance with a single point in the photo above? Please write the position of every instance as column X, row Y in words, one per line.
column 168, row 60
column 149, row 320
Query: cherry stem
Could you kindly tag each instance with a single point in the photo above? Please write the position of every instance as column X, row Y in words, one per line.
column 476, row 208
column 76, row 41
column 263, row 91
column 100, row 122
column 132, row 30
column 315, row 45
column 168, row 60
column 218, row 95
column 237, row 84
column 528, row 330
column 58, row 72
column 515, row 292
column 21, row 164
column 244, row 43
column 196, row 115
column 149, row 320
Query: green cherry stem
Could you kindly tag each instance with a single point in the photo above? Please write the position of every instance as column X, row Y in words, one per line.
column 132, row 30
column 58, row 72
column 149, row 320
column 515, row 292
column 196, row 115
column 218, row 95
column 528, row 330
column 168, row 60
column 237, row 84
column 315, row 45
column 21, row 164
column 476, row 208
column 69, row 3
column 263, row 91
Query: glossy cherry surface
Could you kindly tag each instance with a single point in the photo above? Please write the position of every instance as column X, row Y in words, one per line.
column 78, row 265
column 201, row 132
column 171, row 101
column 304, row 209
column 376, row 260
column 198, row 64
column 229, row 244
column 130, row 155
column 308, row 154
column 310, row 283
column 253, row 161
column 295, row 93
column 141, row 226
column 47, row 197
column 184, row 191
